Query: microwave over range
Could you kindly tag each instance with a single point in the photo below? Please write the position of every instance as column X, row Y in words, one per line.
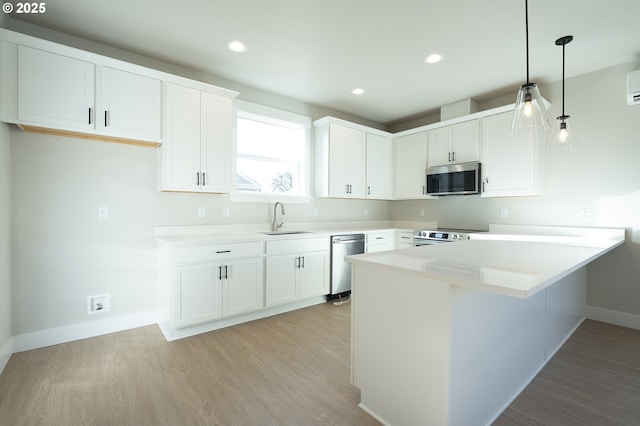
column 454, row 179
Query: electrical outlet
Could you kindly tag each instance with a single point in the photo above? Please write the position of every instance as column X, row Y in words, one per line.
column 225, row 212
column 98, row 303
column 504, row 213
column 366, row 212
column 202, row 212
column 585, row 214
column 422, row 212
column 315, row 212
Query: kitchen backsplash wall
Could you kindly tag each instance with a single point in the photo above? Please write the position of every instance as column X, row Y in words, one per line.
column 602, row 176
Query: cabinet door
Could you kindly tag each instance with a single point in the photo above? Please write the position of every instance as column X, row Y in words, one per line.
column 313, row 274
column 439, row 146
column 242, row 287
column 55, row 91
column 281, row 279
column 512, row 165
column 216, row 143
column 465, row 141
column 181, row 149
column 379, row 167
column 198, row 294
column 130, row 105
column 356, row 163
column 347, row 168
column 410, row 158
column 338, row 161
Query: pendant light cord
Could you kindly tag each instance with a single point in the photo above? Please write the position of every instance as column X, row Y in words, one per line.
column 526, row 26
column 563, row 46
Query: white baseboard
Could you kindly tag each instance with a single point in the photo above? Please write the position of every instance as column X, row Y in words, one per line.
column 622, row 319
column 69, row 333
column 174, row 334
column 5, row 353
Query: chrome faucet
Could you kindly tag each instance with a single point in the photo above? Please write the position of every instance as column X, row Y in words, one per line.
column 275, row 225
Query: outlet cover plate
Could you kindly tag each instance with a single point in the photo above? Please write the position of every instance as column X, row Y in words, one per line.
column 98, row 303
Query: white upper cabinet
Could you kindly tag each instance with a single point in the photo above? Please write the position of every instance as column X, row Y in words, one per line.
column 131, row 105
column 457, row 143
column 196, row 154
column 379, row 167
column 340, row 160
column 347, row 149
column 511, row 165
column 55, row 90
column 410, row 163
column 58, row 92
column 352, row 161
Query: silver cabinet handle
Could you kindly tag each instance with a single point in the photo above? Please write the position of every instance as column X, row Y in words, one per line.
column 204, row 181
column 220, row 273
column 89, row 115
column 453, row 156
column 302, row 259
column 368, row 190
column 226, row 272
column 198, row 179
column 105, row 118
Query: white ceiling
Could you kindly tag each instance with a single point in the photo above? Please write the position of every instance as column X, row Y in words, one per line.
column 318, row 51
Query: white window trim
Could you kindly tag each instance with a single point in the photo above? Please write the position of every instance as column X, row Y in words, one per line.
column 246, row 109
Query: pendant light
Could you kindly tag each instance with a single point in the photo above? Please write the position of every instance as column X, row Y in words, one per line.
column 562, row 138
column 530, row 111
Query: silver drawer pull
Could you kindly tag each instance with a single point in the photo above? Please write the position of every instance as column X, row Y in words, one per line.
column 223, row 251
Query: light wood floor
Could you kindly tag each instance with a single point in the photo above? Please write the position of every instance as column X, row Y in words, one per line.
column 594, row 379
column 292, row 369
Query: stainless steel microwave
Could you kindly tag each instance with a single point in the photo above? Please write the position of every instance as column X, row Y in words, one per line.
column 454, row 179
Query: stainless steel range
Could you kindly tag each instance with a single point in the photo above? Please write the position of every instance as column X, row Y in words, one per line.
column 426, row 237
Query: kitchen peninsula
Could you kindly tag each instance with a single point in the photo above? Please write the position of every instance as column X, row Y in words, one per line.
column 449, row 334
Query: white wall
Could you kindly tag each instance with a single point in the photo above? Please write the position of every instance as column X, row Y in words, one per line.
column 603, row 175
column 5, row 247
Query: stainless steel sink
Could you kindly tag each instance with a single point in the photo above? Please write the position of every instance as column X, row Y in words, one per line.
column 285, row 232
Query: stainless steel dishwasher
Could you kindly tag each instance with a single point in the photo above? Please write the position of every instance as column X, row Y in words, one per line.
column 341, row 246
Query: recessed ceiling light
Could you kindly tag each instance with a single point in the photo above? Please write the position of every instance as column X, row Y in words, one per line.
column 434, row 58
column 237, row 46
column 357, row 91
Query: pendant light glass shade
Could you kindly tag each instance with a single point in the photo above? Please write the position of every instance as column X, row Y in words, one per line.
column 530, row 111
column 563, row 137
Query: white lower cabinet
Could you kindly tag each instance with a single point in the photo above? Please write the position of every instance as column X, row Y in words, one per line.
column 404, row 239
column 210, row 291
column 206, row 283
column 380, row 241
column 296, row 269
column 198, row 294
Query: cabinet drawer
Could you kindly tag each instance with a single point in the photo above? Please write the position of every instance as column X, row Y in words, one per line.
column 215, row 252
column 297, row 245
column 382, row 237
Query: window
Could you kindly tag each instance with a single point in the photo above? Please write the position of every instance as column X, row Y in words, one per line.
column 272, row 151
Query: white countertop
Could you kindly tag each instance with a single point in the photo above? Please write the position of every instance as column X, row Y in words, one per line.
column 177, row 236
column 514, row 264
